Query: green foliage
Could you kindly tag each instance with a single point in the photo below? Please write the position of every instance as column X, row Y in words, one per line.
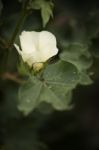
column 61, row 73
column 79, row 55
column 28, row 95
column 54, row 88
column 46, row 8
column 85, row 78
column 58, row 80
column 23, row 69
column 46, row 12
column 55, row 83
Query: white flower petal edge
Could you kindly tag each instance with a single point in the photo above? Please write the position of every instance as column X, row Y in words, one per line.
column 37, row 46
column 18, row 49
column 25, row 57
column 47, row 44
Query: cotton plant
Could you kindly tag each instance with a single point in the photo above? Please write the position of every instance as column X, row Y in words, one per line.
column 55, row 83
column 37, row 48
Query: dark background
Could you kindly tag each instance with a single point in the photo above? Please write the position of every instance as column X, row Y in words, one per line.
column 76, row 129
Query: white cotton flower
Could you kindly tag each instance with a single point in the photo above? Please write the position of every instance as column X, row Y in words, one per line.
column 37, row 47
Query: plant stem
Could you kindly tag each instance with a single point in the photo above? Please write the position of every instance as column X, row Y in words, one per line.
column 12, row 77
column 20, row 22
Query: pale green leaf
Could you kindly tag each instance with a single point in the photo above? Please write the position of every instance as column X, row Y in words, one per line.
column 85, row 79
column 55, row 89
column 46, row 12
column 78, row 55
column 61, row 73
column 28, row 95
column 59, row 99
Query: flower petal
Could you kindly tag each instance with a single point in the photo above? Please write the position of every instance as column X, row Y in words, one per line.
column 29, row 41
column 27, row 57
column 31, row 58
column 18, row 49
column 37, row 47
column 47, row 45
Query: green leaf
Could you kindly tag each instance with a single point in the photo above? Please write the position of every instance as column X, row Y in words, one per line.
column 58, row 97
column 28, row 95
column 46, row 12
column 60, row 78
column 36, row 4
column 85, row 79
column 61, row 73
column 46, row 8
column 58, row 81
column 78, row 55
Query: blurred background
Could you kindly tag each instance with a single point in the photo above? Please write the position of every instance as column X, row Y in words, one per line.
column 75, row 129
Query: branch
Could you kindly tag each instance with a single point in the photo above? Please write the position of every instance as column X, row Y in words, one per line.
column 20, row 22
column 13, row 77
